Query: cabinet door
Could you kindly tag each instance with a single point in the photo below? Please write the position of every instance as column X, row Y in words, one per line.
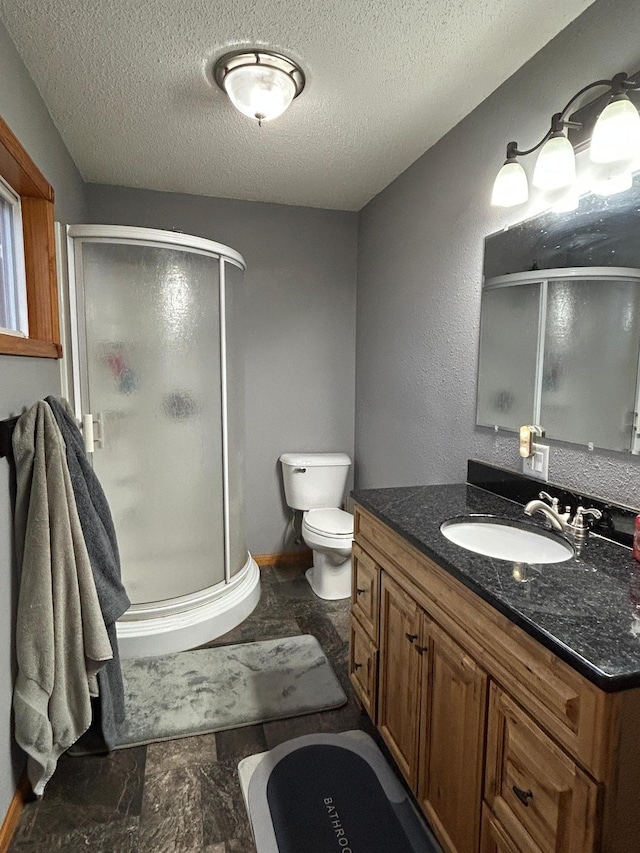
column 398, row 696
column 453, row 718
column 534, row 789
column 363, row 668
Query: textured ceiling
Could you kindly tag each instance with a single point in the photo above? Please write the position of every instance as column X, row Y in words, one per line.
column 128, row 85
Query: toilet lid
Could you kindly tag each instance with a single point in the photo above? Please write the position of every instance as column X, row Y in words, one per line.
column 333, row 522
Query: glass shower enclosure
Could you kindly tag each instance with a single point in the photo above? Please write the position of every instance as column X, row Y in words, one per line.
column 157, row 380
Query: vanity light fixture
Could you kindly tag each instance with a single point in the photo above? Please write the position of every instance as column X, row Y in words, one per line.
column 614, row 152
column 260, row 84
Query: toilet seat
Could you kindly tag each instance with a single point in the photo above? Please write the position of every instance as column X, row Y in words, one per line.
column 330, row 522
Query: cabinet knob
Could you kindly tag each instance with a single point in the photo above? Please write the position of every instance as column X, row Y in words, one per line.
column 421, row 649
column 356, row 666
column 523, row 796
column 411, row 637
column 361, row 591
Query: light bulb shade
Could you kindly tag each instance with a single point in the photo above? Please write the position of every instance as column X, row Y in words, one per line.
column 556, row 165
column 259, row 92
column 510, row 186
column 616, row 135
column 618, row 182
column 260, row 84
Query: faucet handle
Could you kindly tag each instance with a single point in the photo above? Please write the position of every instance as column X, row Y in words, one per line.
column 581, row 512
column 578, row 528
column 545, row 496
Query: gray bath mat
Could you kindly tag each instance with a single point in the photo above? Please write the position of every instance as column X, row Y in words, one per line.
column 210, row 690
column 330, row 792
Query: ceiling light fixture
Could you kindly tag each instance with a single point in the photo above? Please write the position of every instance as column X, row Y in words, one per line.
column 260, row 84
column 614, row 152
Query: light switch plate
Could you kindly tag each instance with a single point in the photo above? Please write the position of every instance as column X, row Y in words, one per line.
column 537, row 465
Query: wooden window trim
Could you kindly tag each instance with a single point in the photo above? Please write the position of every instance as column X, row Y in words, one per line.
column 36, row 197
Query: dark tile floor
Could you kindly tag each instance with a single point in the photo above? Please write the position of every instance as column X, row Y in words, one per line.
column 183, row 796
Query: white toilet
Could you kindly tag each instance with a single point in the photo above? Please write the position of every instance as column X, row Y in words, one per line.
column 315, row 482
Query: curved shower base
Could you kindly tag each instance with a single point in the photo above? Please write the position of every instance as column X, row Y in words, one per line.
column 163, row 627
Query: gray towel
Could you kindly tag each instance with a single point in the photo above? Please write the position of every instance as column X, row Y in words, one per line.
column 61, row 640
column 102, row 545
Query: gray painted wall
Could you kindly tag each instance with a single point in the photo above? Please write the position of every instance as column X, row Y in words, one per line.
column 299, row 300
column 419, row 276
column 24, row 380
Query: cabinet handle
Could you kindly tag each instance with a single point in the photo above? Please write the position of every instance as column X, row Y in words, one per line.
column 421, row 649
column 411, row 637
column 356, row 666
column 523, row 796
column 361, row 591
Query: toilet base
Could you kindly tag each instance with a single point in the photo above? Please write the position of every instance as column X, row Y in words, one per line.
column 329, row 580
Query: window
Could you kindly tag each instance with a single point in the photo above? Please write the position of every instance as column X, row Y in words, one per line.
column 13, row 287
column 29, row 323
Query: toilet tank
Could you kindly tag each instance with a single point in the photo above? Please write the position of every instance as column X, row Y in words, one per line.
column 314, row 480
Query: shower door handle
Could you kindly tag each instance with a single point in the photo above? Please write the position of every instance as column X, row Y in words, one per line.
column 93, row 431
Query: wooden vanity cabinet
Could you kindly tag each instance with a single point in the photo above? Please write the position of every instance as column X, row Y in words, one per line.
column 506, row 748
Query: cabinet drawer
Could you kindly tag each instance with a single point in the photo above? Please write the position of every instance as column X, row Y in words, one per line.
column 537, row 793
column 495, row 838
column 367, row 527
column 363, row 668
column 365, row 591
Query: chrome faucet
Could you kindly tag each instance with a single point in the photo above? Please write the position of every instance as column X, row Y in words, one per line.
column 551, row 511
column 575, row 527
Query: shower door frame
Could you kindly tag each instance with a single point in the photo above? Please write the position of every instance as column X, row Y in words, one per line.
column 77, row 371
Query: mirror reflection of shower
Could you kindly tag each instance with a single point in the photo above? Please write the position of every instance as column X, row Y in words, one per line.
column 561, row 348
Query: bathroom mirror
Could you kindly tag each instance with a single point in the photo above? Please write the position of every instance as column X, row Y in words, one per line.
column 560, row 324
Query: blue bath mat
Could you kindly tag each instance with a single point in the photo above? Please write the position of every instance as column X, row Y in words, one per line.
column 322, row 793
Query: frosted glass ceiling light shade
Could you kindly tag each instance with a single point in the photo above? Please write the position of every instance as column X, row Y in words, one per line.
column 258, row 92
column 260, row 84
column 510, row 186
column 556, row 164
column 616, row 135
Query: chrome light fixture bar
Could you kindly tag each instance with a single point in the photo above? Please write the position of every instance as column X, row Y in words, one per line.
column 260, row 84
column 614, row 152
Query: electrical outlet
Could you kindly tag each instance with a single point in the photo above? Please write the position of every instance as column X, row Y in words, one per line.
column 537, row 465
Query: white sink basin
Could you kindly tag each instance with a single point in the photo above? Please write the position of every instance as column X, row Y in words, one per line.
column 505, row 541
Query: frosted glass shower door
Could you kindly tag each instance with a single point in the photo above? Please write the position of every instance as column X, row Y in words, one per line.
column 152, row 383
column 235, row 402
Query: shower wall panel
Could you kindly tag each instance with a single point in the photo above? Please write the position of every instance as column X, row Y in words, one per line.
column 153, row 386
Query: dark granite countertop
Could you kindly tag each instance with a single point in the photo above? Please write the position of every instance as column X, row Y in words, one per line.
column 586, row 610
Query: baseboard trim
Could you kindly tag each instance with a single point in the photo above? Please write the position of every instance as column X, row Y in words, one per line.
column 284, row 558
column 22, row 794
